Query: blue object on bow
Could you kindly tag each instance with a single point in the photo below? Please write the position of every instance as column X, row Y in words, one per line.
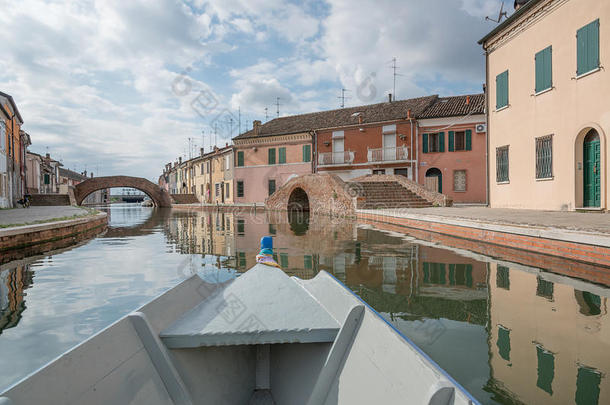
column 267, row 242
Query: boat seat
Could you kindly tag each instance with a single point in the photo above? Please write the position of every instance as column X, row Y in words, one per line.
column 262, row 306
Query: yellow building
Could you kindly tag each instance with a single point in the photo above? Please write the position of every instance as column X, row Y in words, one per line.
column 222, row 175
column 548, row 113
column 201, row 179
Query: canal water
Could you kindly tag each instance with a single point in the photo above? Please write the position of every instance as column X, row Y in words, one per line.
column 509, row 333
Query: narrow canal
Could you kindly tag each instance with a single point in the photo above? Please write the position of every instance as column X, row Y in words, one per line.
column 509, row 333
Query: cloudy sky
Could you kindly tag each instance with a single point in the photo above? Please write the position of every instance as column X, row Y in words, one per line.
column 119, row 86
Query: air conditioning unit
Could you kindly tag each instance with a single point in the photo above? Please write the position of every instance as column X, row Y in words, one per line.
column 480, row 128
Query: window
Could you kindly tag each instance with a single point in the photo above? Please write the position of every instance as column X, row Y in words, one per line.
column 433, row 142
column 47, row 178
column 228, row 162
column 271, row 186
column 504, row 342
column 587, row 386
column 460, row 274
column 240, row 188
column 546, row 369
column 434, row 273
column 202, row 189
column 308, row 262
column 590, row 304
column 241, row 227
column 306, row 153
column 502, row 90
column 2, row 134
column 378, row 171
column 272, row 230
column 271, row 156
column 460, row 140
column 544, row 69
column 241, row 260
column 227, row 192
column 284, row 260
column 502, row 164
column 587, row 48
column 459, row 180
column 240, row 158
column 544, row 288
column 217, row 189
column 282, row 155
column 544, row 157
column 502, row 278
column 202, row 168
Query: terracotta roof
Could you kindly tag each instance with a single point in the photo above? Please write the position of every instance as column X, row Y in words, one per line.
column 455, row 106
column 13, row 104
column 345, row 116
column 67, row 173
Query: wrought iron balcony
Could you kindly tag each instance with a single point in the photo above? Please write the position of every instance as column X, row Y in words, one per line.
column 335, row 158
column 399, row 153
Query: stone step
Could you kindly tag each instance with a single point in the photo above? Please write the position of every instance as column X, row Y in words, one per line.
column 184, row 199
column 49, row 199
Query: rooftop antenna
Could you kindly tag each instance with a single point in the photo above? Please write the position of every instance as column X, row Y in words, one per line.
column 215, row 132
column 394, row 68
column 343, row 98
column 239, row 119
column 203, row 138
column 266, row 114
column 501, row 14
column 277, row 103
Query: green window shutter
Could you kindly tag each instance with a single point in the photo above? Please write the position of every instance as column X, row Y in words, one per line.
column 504, row 343
column 502, row 90
column 441, row 141
column 452, row 274
column 306, row 153
column 546, row 369
column 451, row 141
column 271, row 156
column 587, row 386
column 308, row 262
column 282, row 153
column 425, row 143
column 587, row 48
column 544, row 68
column 469, row 275
column 426, row 272
column 468, row 139
column 240, row 158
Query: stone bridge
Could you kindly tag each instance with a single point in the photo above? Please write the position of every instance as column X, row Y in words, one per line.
column 159, row 196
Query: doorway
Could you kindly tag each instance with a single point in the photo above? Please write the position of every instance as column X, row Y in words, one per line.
column 591, row 170
column 434, row 180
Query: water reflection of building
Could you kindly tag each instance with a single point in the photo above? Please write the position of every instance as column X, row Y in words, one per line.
column 549, row 342
column 13, row 282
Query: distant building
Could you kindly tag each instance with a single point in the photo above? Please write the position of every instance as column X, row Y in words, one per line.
column 42, row 174
column 547, row 107
column 221, row 164
column 69, row 179
column 12, row 152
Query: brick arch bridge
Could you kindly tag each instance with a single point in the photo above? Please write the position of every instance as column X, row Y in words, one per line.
column 158, row 195
column 318, row 193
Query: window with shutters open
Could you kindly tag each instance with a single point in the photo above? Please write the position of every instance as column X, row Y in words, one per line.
column 502, row 90
column 587, row 48
column 460, row 140
column 434, row 142
column 544, row 69
column 240, row 158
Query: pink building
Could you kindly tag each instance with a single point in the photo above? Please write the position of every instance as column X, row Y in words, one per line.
column 452, row 145
column 269, row 155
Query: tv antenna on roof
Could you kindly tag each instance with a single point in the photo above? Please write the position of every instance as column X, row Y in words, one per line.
column 277, row 103
column 266, row 114
column 394, row 68
column 342, row 97
column 501, row 14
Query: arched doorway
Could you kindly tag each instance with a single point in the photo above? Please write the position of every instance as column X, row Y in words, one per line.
column 591, row 170
column 434, row 180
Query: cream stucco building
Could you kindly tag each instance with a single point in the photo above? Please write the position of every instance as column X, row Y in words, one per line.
column 549, row 116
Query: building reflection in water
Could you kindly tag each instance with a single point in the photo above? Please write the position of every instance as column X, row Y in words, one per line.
column 508, row 333
column 13, row 283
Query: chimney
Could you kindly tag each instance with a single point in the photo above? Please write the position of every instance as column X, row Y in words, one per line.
column 467, row 100
column 180, row 160
column 256, row 124
column 48, row 156
column 409, row 114
column 359, row 118
column 390, row 98
column 519, row 3
column 226, row 144
column 85, row 173
column 91, row 175
column 201, row 151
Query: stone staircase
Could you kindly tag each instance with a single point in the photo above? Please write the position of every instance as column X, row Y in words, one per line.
column 385, row 194
column 184, row 199
column 49, row 199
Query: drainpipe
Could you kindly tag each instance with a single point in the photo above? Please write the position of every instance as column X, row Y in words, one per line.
column 314, row 157
column 417, row 152
column 486, row 92
column 412, row 168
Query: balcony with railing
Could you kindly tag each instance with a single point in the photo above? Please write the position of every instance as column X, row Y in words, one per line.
column 335, row 158
column 393, row 154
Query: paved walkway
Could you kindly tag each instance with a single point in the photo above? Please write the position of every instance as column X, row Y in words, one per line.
column 578, row 221
column 24, row 216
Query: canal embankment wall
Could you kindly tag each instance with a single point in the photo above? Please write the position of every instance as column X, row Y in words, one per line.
column 26, row 236
column 589, row 249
